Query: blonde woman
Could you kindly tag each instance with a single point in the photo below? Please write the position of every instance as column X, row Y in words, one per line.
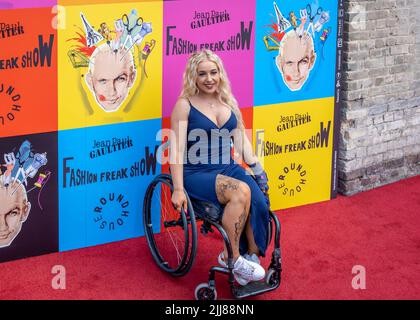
column 204, row 120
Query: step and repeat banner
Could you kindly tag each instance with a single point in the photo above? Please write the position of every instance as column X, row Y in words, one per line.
column 87, row 85
column 295, row 84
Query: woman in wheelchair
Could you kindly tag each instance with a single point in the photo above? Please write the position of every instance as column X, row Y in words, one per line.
column 205, row 120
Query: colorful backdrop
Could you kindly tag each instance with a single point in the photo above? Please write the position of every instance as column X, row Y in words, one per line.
column 87, row 85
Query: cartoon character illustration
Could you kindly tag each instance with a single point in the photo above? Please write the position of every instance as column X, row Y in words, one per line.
column 110, row 76
column 14, row 210
column 14, row 204
column 295, row 59
column 111, row 59
column 295, row 43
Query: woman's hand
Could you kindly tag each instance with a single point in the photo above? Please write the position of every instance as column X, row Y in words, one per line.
column 179, row 200
column 261, row 179
column 260, row 176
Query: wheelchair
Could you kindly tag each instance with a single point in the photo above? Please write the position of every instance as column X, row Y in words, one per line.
column 174, row 248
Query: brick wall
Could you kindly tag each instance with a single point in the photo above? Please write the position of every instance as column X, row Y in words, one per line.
column 380, row 129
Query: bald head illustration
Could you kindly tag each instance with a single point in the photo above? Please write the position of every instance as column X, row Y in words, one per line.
column 110, row 76
column 14, row 210
column 296, row 59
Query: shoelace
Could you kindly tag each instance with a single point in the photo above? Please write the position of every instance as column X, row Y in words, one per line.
column 246, row 270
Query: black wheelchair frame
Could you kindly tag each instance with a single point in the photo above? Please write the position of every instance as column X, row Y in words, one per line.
column 184, row 261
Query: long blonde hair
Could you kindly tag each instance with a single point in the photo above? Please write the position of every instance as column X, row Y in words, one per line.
column 224, row 92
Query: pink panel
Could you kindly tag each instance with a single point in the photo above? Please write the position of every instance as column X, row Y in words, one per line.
column 226, row 26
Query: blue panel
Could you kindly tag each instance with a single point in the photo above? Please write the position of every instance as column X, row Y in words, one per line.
column 270, row 84
column 104, row 173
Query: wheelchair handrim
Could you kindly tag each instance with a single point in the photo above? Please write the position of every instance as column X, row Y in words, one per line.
column 189, row 251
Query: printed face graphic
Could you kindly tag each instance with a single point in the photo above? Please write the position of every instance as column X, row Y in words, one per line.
column 14, row 209
column 208, row 77
column 296, row 59
column 110, row 77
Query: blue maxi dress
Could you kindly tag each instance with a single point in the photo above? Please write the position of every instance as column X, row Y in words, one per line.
column 209, row 153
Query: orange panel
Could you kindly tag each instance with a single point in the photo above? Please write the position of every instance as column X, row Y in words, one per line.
column 28, row 72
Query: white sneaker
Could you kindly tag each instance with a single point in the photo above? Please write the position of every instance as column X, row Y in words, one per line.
column 259, row 273
column 253, row 258
column 246, row 271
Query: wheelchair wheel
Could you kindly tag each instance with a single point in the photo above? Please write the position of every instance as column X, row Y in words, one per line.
column 173, row 241
column 204, row 292
column 270, row 231
column 272, row 278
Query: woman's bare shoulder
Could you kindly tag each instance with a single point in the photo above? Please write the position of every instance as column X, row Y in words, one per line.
column 183, row 102
column 181, row 108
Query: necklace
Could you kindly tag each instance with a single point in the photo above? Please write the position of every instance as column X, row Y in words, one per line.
column 212, row 104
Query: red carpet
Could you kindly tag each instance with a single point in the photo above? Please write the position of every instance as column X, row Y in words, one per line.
column 321, row 243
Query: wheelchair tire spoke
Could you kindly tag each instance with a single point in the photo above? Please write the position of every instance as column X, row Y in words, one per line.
column 174, row 246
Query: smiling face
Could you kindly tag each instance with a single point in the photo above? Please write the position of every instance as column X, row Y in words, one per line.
column 111, row 75
column 208, row 77
column 14, row 209
column 296, row 59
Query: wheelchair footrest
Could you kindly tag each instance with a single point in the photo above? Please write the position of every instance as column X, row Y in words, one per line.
column 252, row 289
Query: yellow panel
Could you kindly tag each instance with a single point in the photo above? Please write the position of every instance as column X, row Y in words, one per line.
column 294, row 143
column 80, row 103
